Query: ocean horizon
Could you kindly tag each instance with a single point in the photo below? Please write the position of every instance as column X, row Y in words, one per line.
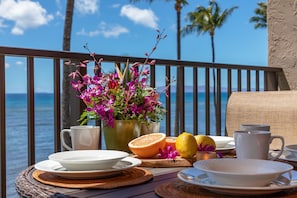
column 16, row 128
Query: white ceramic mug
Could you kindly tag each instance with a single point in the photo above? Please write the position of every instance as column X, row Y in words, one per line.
column 82, row 137
column 255, row 127
column 255, row 145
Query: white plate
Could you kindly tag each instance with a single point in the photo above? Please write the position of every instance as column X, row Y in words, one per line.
column 242, row 172
column 197, row 177
column 80, row 160
column 227, row 148
column 288, row 156
column 292, row 148
column 57, row 169
column 222, row 141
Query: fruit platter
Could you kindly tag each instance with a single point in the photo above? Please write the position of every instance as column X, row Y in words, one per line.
column 159, row 150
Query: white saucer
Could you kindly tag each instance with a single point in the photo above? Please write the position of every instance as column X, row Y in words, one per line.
column 229, row 147
column 221, row 141
column 197, row 177
column 57, row 169
column 288, row 156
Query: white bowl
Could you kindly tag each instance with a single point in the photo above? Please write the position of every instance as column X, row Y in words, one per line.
column 292, row 148
column 80, row 160
column 222, row 141
column 242, row 172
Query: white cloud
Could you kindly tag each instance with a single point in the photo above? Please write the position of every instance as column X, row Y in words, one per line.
column 117, row 5
column 60, row 15
column 105, row 30
column 19, row 63
column 86, row 6
column 115, row 31
column 144, row 17
column 7, row 65
column 25, row 14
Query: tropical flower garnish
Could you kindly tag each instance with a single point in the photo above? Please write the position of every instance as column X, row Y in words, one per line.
column 208, row 148
column 168, row 153
column 205, row 147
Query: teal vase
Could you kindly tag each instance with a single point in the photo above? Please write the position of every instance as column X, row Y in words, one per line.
column 118, row 137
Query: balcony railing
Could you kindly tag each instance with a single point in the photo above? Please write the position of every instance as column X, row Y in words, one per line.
column 195, row 77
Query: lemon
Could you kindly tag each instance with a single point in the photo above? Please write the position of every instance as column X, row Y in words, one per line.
column 186, row 145
column 203, row 140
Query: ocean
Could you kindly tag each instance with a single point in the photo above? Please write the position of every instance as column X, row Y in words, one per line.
column 16, row 128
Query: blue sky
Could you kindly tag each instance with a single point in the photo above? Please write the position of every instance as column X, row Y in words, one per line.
column 117, row 27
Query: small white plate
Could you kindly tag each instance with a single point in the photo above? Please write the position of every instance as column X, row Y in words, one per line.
column 242, row 172
column 292, row 148
column 57, row 169
column 227, row 148
column 199, row 178
column 288, row 156
column 222, row 141
column 80, row 160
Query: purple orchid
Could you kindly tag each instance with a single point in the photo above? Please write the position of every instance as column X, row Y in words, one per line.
column 168, row 153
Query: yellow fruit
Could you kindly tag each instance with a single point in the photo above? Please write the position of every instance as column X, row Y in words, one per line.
column 203, row 140
column 186, row 145
column 147, row 146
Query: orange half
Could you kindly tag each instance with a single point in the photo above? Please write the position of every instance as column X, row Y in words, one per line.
column 170, row 141
column 147, row 146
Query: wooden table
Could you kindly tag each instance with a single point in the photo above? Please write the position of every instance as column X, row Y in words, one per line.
column 27, row 186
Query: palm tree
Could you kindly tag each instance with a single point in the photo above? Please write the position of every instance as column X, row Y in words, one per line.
column 207, row 20
column 66, row 68
column 260, row 19
column 178, row 7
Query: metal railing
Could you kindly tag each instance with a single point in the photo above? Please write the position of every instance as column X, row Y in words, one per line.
column 229, row 78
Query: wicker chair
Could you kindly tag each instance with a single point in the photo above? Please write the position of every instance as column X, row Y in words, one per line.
column 276, row 108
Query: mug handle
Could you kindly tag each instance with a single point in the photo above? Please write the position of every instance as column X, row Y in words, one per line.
column 282, row 147
column 63, row 139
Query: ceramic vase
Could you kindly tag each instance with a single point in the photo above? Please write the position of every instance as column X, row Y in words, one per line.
column 151, row 127
column 118, row 137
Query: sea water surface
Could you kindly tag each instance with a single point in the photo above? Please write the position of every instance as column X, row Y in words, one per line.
column 16, row 128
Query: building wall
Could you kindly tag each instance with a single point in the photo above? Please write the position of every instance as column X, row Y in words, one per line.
column 282, row 40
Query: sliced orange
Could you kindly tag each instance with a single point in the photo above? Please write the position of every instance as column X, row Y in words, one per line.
column 170, row 141
column 147, row 146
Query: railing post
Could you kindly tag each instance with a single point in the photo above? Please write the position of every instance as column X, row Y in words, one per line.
column 168, row 102
column 2, row 129
column 207, row 102
column 57, row 104
column 182, row 99
column 271, row 83
column 31, row 110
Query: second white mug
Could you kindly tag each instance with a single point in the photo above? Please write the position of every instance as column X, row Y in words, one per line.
column 255, row 127
column 255, row 144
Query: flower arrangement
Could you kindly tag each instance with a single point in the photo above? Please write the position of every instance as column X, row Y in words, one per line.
column 123, row 94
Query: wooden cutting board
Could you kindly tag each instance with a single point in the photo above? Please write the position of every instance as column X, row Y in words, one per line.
column 162, row 163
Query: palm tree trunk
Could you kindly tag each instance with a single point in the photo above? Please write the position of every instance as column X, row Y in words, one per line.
column 66, row 68
column 177, row 96
column 215, row 94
